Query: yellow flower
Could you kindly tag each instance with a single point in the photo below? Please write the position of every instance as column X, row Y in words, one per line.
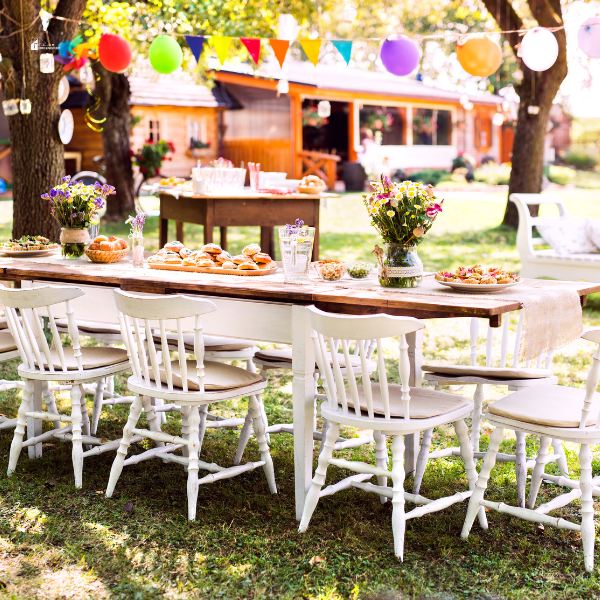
column 390, row 213
column 411, row 193
column 402, row 189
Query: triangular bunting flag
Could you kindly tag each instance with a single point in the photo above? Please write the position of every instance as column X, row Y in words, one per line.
column 221, row 45
column 280, row 48
column 311, row 47
column 253, row 46
column 196, row 43
column 344, row 48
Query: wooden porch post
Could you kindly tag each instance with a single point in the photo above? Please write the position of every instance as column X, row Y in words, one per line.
column 296, row 135
column 352, row 122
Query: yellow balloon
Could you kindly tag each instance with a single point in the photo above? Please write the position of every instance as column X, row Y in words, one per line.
column 479, row 55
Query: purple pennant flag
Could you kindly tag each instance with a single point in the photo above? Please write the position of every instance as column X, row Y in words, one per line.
column 196, row 43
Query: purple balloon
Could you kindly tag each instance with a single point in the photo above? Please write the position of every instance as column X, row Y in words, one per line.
column 400, row 55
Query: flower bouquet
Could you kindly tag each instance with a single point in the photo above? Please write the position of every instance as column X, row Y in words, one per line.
column 402, row 213
column 137, row 237
column 74, row 204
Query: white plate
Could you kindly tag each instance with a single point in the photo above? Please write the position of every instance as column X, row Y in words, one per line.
column 26, row 253
column 478, row 289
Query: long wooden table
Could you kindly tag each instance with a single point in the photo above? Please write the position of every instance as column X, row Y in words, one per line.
column 268, row 310
column 239, row 210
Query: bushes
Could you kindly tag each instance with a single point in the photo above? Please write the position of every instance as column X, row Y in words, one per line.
column 429, row 176
column 561, row 175
column 493, row 174
column 580, row 160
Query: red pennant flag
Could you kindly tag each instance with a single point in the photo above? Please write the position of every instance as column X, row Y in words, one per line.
column 253, row 46
column 280, row 48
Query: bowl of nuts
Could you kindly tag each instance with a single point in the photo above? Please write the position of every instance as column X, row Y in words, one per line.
column 359, row 270
column 330, row 270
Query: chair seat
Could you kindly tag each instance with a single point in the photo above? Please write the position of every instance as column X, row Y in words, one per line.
column 91, row 327
column 551, row 405
column 424, row 402
column 493, row 372
column 7, row 342
column 212, row 343
column 285, row 356
column 217, row 376
column 92, row 358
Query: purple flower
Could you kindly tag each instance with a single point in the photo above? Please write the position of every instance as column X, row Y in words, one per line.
column 98, row 186
column 108, row 189
column 53, row 193
column 99, row 203
column 45, row 196
column 66, row 179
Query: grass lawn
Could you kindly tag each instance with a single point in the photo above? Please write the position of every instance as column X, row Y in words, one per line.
column 57, row 542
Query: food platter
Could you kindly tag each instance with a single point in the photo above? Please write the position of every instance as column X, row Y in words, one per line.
column 478, row 288
column 28, row 253
column 266, row 270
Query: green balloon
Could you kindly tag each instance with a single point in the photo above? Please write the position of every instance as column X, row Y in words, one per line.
column 165, row 54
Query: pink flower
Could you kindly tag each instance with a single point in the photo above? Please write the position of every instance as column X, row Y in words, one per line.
column 434, row 209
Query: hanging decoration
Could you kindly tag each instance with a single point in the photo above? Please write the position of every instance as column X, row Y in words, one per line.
column 165, row 54
column 312, row 48
column 344, row 47
column 283, row 87
column 114, row 52
column 47, row 63
column 400, row 55
column 253, row 47
column 539, row 49
column 10, row 107
column 479, row 55
column 63, row 89
column 324, row 109
column 349, row 13
column 280, row 48
column 75, row 54
column 66, row 125
column 196, row 44
column 221, row 45
column 588, row 37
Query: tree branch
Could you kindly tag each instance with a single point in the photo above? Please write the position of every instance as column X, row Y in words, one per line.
column 507, row 19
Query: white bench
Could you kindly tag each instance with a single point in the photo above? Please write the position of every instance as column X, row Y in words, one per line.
column 547, row 263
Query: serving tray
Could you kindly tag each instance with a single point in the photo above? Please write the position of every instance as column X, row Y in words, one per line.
column 268, row 270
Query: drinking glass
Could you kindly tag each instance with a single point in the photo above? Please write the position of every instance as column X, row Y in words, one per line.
column 296, row 244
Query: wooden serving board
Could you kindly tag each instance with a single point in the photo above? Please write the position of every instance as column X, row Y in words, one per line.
column 216, row 270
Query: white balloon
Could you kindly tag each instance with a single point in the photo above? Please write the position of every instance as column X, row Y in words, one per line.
column 588, row 37
column 539, row 49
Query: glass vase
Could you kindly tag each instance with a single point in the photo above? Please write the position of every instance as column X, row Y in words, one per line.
column 73, row 242
column 296, row 246
column 137, row 248
column 402, row 267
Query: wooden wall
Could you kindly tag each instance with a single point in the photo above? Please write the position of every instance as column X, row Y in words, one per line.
column 86, row 141
column 272, row 154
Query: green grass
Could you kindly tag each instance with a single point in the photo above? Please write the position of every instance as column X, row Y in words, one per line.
column 57, row 542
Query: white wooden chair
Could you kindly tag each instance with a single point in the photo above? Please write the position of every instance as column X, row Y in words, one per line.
column 495, row 372
column 548, row 263
column 192, row 384
column 551, row 412
column 394, row 410
column 43, row 362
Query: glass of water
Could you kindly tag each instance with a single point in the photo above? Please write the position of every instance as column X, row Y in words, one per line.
column 296, row 244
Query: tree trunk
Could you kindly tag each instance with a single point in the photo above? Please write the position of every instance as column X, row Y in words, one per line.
column 113, row 91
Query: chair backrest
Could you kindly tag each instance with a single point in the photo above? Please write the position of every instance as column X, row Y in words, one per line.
column 331, row 331
column 139, row 316
column 525, row 239
column 28, row 332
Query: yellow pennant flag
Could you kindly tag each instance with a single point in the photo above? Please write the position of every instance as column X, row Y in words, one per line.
column 311, row 47
column 221, row 45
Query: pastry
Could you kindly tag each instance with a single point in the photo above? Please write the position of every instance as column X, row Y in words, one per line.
column 173, row 259
column 261, row 257
column 229, row 265
column 156, row 259
column 94, row 246
column 248, row 266
column 189, row 261
column 122, row 243
column 100, row 238
column 251, row 249
column 205, row 262
column 184, row 252
column 113, row 238
column 108, row 246
column 211, row 249
column 239, row 259
column 174, row 246
column 223, row 257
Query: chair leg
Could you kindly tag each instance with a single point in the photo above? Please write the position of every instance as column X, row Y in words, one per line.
column 185, row 427
column 98, row 402
column 476, row 417
column 312, row 498
column 422, row 460
column 85, row 418
column 398, row 518
column 466, row 452
column 203, row 411
column 50, row 401
column 381, row 460
column 538, row 470
column 326, row 425
column 521, row 468
column 244, row 437
column 480, row 486
column 252, row 368
column 558, row 448
column 151, row 416
column 17, row 441
column 76, row 415
column 263, row 445
column 588, row 529
column 194, row 449
column 34, row 426
column 117, row 466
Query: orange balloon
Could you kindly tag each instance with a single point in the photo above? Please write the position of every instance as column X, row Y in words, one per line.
column 479, row 55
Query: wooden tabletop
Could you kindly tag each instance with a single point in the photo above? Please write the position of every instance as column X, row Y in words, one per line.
column 343, row 297
column 243, row 195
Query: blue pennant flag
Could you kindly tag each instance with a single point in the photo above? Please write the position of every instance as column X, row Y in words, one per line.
column 344, row 48
column 196, row 44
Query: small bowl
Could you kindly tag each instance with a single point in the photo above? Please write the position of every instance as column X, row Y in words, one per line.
column 359, row 270
column 330, row 271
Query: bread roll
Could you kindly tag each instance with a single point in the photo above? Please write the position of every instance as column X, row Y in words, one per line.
column 173, row 259
column 123, row 244
column 108, row 246
column 205, row 262
column 113, row 238
column 174, row 246
column 212, row 249
column 100, row 238
column 239, row 259
column 251, row 249
column 185, row 252
column 94, row 246
column 248, row 266
column 229, row 265
column 261, row 257
column 223, row 257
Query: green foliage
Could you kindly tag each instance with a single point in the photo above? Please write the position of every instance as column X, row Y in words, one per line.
column 429, row 176
column 151, row 157
column 561, row 175
column 580, row 160
column 493, row 174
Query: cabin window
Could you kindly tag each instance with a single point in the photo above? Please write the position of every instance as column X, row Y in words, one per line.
column 432, row 127
column 197, row 130
column 153, row 130
column 385, row 124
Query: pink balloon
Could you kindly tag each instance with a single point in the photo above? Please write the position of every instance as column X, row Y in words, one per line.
column 400, row 55
column 588, row 37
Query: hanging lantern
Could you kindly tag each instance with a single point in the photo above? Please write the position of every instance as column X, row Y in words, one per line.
column 468, row 106
column 25, row 106
column 63, row 89
column 86, row 75
column 479, row 55
column 533, row 110
column 324, row 109
column 114, row 52
column 539, row 49
column 10, row 107
column 47, row 63
column 283, row 87
column 349, row 13
column 498, row 119
column 588, row 37
column 165, row 54
column 400, row 55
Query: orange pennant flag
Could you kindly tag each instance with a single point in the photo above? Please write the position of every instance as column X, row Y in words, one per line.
column 311, row 47
column 280, row 48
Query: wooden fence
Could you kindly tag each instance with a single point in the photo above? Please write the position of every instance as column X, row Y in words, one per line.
column 272, row 154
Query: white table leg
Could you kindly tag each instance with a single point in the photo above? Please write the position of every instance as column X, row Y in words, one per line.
column 34, row 426
column 415, row 356
column 303, row 393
